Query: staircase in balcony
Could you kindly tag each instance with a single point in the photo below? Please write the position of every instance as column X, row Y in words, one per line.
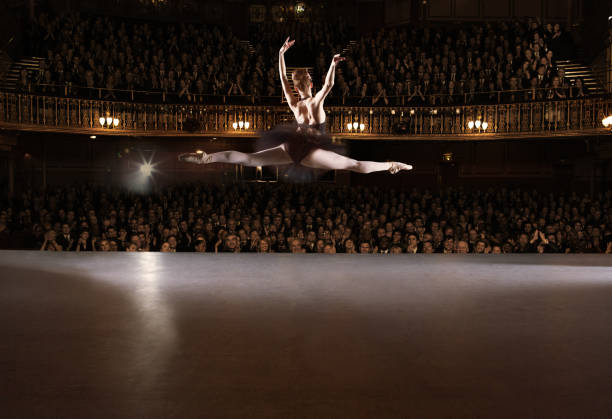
column 574, row 69
column 10, row 79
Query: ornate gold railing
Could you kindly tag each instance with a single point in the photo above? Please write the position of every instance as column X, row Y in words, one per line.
column 27, row 111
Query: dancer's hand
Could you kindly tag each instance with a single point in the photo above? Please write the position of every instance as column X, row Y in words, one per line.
column 337, row 58
column 286, row 45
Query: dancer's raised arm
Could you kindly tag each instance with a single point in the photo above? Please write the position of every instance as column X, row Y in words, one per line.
column 282, row 70
column 329, row 79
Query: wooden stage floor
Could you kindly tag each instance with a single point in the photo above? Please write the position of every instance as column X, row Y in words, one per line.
column 150, row 335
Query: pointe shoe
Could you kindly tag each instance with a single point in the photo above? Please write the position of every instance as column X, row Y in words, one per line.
column 397, row 166
column 197, row 158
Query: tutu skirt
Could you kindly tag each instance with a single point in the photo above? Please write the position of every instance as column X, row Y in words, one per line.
column 300, row 140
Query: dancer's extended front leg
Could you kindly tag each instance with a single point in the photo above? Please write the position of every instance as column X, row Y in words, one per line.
column 325, row 159
column 271, row 157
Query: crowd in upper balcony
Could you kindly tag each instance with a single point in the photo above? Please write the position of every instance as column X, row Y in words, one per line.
column 109, row 58
column 311, row 218
column 477, row 63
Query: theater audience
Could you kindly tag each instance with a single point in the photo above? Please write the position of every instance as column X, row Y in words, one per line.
column 419, row 64
column 316, row 218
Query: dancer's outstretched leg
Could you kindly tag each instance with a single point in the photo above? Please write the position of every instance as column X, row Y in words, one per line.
column 271, row 157
column 325, row 159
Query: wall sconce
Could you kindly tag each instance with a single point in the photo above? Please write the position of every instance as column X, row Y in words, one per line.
column 478, row 124
column 109, row 122
column 355, row 126
column 241, row 125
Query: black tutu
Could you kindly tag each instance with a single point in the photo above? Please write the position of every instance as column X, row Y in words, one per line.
column 300, row 140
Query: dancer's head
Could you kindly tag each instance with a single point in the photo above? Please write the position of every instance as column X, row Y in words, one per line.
column 302, row 81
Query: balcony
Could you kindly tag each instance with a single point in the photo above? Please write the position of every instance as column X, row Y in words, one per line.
column 560, row 118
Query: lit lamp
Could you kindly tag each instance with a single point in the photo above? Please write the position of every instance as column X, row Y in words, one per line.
column 246, row 124
column 349, row 126
column 241, row 124
column 109, row 122
column 470, row 124
column 355, row 125
column 607, row 121
column 361, row 127
column 477, row 123
column 485, row 125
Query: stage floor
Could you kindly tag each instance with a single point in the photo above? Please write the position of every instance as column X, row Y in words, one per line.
column 151, row 335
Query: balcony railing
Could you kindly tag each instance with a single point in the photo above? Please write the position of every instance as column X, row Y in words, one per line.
column 28, row 111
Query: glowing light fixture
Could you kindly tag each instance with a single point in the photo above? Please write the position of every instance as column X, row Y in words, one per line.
column 241, row 124
column 116, row 122
column 146, row 169
column 470, row 124
column 477, row 123
column 362, row 127
column 109, row 121
column 102, row 120
column 355, row 125
column 246, row 124
column 235, row 125
column 485, row 125
column 349, row 126
column 93, row 137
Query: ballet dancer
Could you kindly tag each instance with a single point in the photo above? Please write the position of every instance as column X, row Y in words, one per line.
column 305, row 143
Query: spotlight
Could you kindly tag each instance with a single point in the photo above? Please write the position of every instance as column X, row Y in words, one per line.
column 146, row 169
